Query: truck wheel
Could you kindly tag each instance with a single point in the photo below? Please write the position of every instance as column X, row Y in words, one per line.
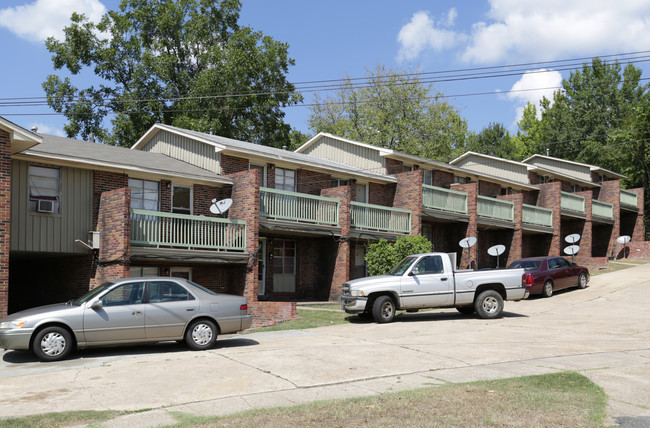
column 547, row 290
column 489, row 304
column 383, row 310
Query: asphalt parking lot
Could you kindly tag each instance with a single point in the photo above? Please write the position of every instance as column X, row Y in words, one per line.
column 602, row 331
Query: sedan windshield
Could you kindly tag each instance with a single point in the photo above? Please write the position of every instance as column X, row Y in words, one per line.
column 402, row 266
column 95, row 292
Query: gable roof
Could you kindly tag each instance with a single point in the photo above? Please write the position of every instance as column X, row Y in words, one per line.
column 84, row 154
column 245, row 149
column 20, row 138
column 593, row 168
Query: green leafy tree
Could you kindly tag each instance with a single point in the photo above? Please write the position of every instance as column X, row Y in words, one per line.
column 382, row 256
column 495, row 140
column 394, row 110
column 186, row 63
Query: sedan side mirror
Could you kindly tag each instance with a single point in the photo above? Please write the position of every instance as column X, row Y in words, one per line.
column 96, row 304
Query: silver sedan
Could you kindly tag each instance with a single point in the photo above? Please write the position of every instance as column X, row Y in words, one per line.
column 124, row 311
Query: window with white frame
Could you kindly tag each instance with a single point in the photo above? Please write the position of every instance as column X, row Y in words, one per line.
column 427, row 177
column 181, row 199
column 145, row 194
column 137, row 271
column 44, row 189
column 407, row 168
column 336, row 182
column 460, row 180
column 285, row 179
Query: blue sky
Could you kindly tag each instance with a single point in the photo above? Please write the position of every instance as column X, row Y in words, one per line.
column 332, row 39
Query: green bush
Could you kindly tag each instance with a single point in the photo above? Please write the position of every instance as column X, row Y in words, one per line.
column 382, row 256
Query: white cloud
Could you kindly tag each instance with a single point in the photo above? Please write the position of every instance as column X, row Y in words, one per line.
column 422, row 33
column 43, row 128
column 532, row 86
column 44, row 18
column 521, row 30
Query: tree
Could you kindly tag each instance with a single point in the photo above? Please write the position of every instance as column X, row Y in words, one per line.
column 394, row 110
column 382, row 256
column 495, row 140
column 185, row 63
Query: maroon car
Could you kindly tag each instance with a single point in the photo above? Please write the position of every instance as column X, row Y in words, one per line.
column 547, row 274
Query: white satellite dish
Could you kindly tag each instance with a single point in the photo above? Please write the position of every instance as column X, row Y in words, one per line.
column 467, row 242
column 220, row 207
column 573, row 238
column 572, row 250
column 623, row 239
column 496, row 250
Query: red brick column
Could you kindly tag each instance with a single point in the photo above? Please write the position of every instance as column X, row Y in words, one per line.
column 550, row 196
column 639, row 229
column 343, row 257
column 408, row 195
column 5, row 220
column 610, row 192
column 114, row 225
column 587, row 236
column 515, row 247
column 472, row 228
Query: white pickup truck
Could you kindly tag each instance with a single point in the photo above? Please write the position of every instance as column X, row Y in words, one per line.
column 423, row 281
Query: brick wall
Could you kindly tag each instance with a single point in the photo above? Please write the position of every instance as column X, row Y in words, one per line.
column 408, row 195
column 514, row 248
column 311, row 182
column 443, row 179
column 550, row 197
column 610, row 192
column 203, row 196
column 114, row 225
column 472, row 227
column 232, row 164
column 104, row 181
column 394, row 166
column 486, row 188
column 5, row 220
column 343, row 256
column 381, row 194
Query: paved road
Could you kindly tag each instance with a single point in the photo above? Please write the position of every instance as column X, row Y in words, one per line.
column 602, row 331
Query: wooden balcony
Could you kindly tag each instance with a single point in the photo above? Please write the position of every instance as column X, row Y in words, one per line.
column 537, row 216
column 437, row 198
column 166, row 230
column 497, row 209
column 298, row 207
column 572, row 202
column 379, row 218
column 629, row 200
column 602, row 210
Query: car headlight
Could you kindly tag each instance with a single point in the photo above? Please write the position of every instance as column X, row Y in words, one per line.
column 13, row 324
column 356, row 293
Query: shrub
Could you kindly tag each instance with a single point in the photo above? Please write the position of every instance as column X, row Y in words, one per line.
column 382, row 256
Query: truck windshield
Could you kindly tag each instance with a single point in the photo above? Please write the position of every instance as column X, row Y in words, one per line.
column 402, row 266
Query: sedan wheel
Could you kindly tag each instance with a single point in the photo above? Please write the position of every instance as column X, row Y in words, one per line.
column 201, row 334
column 547, row 291
column 582, row 280
column 52, row 344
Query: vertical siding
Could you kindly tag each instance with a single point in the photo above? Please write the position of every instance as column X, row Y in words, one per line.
column 495, row 167
column 185, row 149
column 577, row 171
column 52, row 233
column 349, row 154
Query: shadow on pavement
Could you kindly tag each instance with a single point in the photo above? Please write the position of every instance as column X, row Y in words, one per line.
column 430, row 316
column 21, row 357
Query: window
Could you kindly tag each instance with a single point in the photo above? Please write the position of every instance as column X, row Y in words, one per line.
column 427, row 177
column 460, row 180
column 407, row 168
column 182, row 200
column 135, row 271
column 262, row 169
column 181, row 272
column 144, row 194
column 167, row 291
column 44, row 189
column 126, row 294
column 576, row 188
column 336, row 182
column 361, row 193
column 285, row 179
column 284, row 256
column 429, row 265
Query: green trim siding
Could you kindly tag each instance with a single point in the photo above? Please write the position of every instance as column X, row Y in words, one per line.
column 52, row 233
column 185, row 149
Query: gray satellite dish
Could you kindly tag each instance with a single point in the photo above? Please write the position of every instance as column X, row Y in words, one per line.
column 467, row 242
column 623, row 239
column 573, row 238
column 496, row 250
column 220, row 207
column 572, row 250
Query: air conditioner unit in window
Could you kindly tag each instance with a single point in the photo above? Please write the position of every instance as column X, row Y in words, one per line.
column 45, row 206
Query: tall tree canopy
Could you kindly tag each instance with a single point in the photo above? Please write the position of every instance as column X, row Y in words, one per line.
column 186, row 63
column 578, row 124
column 495, row 140
column 394, row 110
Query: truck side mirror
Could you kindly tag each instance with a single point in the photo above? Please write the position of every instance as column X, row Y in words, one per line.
column 414, row 271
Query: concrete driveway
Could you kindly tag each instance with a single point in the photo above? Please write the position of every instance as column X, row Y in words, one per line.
column 602, row 331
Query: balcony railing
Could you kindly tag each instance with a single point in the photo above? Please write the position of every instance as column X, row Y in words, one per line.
column 572, row 202
column 495, row 208
column 158, row 229
column 602, row 209
column 380, row 218
column 298, row 207
column 442, row 199
column 537, row 215
column 628, row 198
